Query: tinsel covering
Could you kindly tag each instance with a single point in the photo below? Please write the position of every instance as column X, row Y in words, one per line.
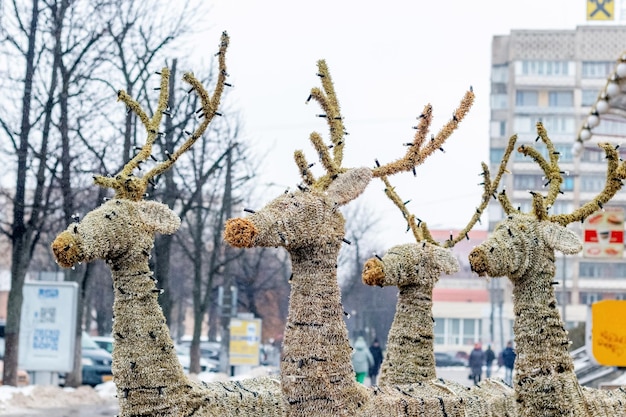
column 415, row 269
column 522, row 248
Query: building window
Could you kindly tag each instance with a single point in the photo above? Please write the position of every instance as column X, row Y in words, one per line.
column 523, row 124
column 558, row 124
column 539, row 67
column 440, row 331
column 562, row 207
column 499, row 101
column 562, row 297
column 565, row 152
column 590, row 297
column 527, row 182
column 592, row 183
column 597, row 69
column 500, row 73
column 498, row 128
column 525, row 98
column 610, row 128
column 453, row 331
column 601, row 269
column 593, row 154
column 561, row 99
column 589, row 97
column 495, row 155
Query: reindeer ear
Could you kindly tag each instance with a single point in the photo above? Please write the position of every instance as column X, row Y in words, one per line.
column 349, row 185
column 158, row 217
column 560, row 238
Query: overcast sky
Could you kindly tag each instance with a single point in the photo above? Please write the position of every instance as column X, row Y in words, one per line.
column 387, row 59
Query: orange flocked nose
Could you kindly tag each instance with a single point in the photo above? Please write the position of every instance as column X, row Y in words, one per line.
column 66, row 249
column 240, row 233
column 373, row 273
column 478, row 261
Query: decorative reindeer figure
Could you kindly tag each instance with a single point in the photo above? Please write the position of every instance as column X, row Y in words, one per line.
column 522, row 248
column 317, row 377
column 149, row 378
column 415, row 269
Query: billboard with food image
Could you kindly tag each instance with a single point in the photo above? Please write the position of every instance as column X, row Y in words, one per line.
column 603, row 234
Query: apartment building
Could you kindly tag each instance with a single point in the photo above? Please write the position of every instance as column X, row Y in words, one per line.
column 557, row 77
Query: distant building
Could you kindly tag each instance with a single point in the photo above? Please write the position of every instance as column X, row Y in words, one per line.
column 556, row 77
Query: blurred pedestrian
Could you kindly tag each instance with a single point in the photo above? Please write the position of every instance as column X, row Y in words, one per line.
column 361, row 359
column 508, row 359
column 377, row 354
column 490, row 356
column 476, row 362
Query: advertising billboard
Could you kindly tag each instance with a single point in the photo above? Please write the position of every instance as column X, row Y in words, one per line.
column 603, row 234
column 48, row 324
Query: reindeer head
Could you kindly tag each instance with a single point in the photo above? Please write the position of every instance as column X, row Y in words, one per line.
column 410, row 264
column 422, row 263
column 309, row 215
column 119, row 231
column 523, row 244
column 122, row 230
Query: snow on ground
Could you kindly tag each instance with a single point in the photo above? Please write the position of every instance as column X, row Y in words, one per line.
column 14, row 400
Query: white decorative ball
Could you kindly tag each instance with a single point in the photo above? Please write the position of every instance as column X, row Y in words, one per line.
column 577, row 148
column 612, row 89
column 621, row 69
column 602, row 106
column 585, row 134
column 593, row 120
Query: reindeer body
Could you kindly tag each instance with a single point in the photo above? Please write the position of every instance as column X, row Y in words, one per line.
column 147, row 373
column 522, row 248
column 415, row 269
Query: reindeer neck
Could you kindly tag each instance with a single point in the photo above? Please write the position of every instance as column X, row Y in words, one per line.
column 543, row 360
column 316, row 369
column 146, row 370
column 410, row 356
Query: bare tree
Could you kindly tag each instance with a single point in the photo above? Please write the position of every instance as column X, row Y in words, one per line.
column 24, row 37
column 375, row 320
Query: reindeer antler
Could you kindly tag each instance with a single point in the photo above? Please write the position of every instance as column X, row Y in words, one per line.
column 329, row 103
column 418, row 151
column 616, row 172
column 420, row 229
column 125, row 184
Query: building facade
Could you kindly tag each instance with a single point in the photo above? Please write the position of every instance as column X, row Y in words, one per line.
column 557, row 77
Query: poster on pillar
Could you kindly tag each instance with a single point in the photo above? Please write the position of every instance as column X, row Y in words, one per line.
column 245, row 341
column 603, row 234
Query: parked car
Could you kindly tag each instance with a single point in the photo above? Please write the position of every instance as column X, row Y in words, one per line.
column 206, row 365
column 447, row 359
column 106, row 343
column 208, row 350
column 96, row 363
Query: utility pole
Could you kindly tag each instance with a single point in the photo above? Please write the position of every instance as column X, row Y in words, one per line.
column 228, row 305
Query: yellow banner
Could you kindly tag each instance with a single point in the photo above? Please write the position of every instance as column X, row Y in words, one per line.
column 245, row 341
column 600, row 9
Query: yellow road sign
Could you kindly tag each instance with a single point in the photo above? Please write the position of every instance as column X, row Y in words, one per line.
column 600, row 9
column 608, row 333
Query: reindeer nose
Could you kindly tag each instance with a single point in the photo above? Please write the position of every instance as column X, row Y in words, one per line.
column 240, row 233
column 67, row 250
column 373, row 273
column 478, row 261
